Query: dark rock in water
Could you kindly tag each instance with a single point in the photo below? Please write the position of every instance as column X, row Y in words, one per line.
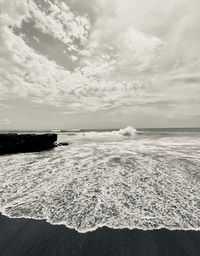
column 21, row 143
column 63, row 144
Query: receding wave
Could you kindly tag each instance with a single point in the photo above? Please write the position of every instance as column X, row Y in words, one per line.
column 145, row 183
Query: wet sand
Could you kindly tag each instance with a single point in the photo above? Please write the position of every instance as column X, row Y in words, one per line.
column 23, row 237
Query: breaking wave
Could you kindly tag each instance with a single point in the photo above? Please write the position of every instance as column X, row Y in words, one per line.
column 144, row 183
column 119, row 135
column 128, row 131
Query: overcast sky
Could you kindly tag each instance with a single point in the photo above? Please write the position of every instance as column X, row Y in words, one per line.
column 99, row 63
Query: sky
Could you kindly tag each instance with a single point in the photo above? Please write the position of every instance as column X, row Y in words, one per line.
column 68, row 64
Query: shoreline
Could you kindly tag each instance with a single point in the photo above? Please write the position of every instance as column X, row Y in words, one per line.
column 46, row 220
column 29, row 237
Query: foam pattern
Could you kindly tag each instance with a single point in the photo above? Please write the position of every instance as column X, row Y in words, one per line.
column 145, row 182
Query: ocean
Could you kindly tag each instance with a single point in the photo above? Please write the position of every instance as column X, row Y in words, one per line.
column 145, row 179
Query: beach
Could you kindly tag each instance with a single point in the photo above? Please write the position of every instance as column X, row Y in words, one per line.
column 104, row 194
column 27, row 237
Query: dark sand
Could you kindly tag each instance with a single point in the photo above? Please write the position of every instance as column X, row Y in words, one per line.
column 22, row 237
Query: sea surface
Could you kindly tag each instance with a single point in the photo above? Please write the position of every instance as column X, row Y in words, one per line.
column 145, row 179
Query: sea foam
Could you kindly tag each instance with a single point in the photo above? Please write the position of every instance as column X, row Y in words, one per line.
column 145, row 183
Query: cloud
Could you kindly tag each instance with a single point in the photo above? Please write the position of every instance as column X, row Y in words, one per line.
column 30, row 75
column 12, row 13
column 36, row 39
column 133, row 53
column 125, row 55
column 173, row 22
column 58, row 21
column 6, row 121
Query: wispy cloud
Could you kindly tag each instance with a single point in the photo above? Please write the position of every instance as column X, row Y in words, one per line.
column 60, row 22
column 132, row 53
column 6, row 121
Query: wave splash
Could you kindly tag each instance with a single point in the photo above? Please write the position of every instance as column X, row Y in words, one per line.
column 128, row 131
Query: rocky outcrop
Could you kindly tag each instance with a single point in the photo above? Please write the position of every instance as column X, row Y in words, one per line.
column 21, row 143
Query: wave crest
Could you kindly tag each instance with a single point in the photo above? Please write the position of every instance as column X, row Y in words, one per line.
column 128, row 131
column 108, row 135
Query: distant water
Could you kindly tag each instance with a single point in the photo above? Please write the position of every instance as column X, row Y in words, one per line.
column 147, row 179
